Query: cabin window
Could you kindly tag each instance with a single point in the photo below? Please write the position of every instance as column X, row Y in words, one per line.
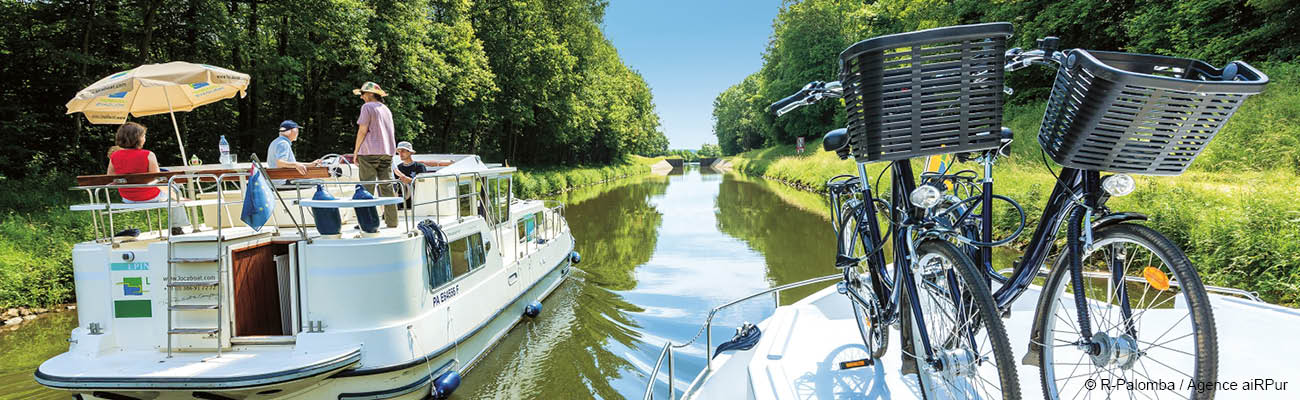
column 541, row 224
column 464, row 256
column 499, row 192
column 527, row 228
column 465, row 194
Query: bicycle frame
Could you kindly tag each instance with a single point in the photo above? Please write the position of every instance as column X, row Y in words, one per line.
column 1075, row 188
column 904, row 244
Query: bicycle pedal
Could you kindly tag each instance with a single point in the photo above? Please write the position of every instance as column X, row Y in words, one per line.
column 857, row 363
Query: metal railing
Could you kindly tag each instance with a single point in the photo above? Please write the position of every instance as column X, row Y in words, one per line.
column 707, row 329
column 1254, row 296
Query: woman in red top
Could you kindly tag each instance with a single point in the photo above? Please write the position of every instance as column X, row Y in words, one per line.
column 134, row 159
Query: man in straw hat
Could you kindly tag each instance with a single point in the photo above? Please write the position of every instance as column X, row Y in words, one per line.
column 376, row 144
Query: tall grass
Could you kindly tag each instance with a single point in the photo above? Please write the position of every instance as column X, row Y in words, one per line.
column 1236, row 212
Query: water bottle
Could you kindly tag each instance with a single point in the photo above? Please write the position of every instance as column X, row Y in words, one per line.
column 224, row 147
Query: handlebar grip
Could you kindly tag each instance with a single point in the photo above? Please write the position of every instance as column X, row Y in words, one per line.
column 791, row 99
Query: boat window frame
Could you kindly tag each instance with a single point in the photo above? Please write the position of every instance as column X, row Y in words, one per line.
column 469, row 254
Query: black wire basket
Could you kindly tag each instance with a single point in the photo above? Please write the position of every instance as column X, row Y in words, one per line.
column 927, row 92
column 1139, row 113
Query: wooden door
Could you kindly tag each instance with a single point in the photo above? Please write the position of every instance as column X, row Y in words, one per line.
column 257, row 290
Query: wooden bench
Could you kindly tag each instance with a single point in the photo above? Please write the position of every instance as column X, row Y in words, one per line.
column 148, row 177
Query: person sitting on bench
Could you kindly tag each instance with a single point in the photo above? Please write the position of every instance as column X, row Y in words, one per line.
column 134, row 159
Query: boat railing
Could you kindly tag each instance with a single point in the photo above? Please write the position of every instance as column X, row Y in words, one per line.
column 300, row 184
column 438, row 199
column 102, row 212
column 707, row 330
column 1253, row 296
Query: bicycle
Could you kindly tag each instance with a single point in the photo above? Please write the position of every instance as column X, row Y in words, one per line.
column 1120, row 113
column 952, row 337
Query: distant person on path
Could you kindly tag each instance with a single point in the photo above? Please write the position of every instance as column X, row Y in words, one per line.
column 376, row 144
column 132, row 158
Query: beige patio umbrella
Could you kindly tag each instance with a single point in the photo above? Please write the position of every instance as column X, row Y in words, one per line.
column 155, row 89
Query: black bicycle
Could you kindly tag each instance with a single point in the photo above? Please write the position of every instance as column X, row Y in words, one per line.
column 1121, row 300
column 894, row 89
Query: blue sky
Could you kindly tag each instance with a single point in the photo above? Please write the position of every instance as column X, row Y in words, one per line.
column 689, row 51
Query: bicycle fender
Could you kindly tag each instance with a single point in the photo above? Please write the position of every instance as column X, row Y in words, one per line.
column 1115, row 218
column 1054, row 277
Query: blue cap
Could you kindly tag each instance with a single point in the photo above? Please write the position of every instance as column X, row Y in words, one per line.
column 287, row 125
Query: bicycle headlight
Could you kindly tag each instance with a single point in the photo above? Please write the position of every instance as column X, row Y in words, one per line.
column 926, row 196
column 1118, row 184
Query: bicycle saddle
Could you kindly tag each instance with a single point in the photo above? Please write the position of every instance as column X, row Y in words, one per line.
column 835, row 140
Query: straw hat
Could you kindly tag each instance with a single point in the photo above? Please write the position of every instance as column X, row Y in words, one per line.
column 372, row 88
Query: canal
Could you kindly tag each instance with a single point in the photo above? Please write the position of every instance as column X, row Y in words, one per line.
column 658, row 253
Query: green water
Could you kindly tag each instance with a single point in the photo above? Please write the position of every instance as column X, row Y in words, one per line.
column 23, row 349
column 658, row 253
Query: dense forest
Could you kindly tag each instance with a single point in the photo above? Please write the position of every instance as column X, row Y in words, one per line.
column 531, row 82
column 808, row 36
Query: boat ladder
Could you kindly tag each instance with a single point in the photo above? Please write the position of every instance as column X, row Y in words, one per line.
column 196, row 282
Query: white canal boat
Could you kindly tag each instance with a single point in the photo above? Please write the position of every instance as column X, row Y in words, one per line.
column 228, row 312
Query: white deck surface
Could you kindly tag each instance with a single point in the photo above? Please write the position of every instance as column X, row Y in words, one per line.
column 803, row 343
column 146, row 365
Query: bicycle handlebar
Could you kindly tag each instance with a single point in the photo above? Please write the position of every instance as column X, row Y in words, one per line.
column 811, row 93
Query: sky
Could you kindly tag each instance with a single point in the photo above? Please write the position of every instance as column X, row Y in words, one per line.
column 689, row 52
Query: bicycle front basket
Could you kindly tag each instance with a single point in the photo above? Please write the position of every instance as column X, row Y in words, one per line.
column 1139, row 113
column 926, row 92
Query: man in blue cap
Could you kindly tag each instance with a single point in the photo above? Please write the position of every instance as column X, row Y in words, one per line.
column 280, row 153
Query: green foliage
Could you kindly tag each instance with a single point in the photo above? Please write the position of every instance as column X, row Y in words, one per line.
column 532, row 82
column 684, row 154
column 540, row 182
column 709, row 150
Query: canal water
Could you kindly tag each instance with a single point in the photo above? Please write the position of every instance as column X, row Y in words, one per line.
column 658, row 253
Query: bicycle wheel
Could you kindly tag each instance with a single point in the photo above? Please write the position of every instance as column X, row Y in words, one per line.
column 1165, row 337
column 875, row 335
column 970, row 362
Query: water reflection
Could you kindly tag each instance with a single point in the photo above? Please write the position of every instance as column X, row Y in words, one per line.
column 22, row 350
column 796, row 244
column 658, row 255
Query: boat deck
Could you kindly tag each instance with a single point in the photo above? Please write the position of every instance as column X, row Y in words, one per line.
column 802, row 344
column 257, row 366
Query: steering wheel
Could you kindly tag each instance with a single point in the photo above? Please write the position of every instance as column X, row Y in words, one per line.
column 335, row 162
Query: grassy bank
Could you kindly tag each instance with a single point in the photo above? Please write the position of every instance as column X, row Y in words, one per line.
column 1236, row 212
column 37, row 230
column 539, row 182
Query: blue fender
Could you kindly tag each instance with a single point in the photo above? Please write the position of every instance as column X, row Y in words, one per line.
column 444, row 384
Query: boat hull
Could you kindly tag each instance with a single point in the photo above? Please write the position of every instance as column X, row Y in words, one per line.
column 412, row 379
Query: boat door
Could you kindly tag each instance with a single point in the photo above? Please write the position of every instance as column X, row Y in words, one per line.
column 264, row 292
column 499, row 196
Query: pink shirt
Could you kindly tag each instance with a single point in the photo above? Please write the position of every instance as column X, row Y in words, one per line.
column 379, row 134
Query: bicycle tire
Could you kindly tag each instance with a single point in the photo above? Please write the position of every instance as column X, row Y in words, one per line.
column 1194, row 296
column 935, row 383
column 874, row 333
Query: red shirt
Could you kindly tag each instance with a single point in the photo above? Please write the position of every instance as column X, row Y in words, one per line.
column 133, row 161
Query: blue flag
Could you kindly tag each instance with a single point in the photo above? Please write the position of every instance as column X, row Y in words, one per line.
column 257, row 201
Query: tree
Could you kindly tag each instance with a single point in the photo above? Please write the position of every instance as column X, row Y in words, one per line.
column 535, row 82
column 709, row 150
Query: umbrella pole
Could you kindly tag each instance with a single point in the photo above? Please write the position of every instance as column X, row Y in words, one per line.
column 184, row 157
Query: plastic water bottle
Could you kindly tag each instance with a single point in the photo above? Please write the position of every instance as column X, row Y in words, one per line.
column 224, row 147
